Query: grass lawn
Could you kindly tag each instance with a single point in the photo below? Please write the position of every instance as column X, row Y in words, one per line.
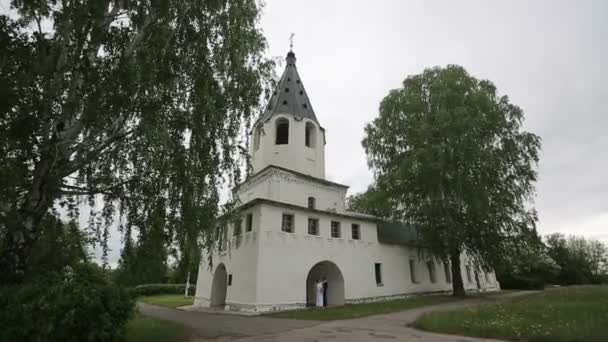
column 168, row 300
column 144, row 329
column 557, row 315
column 360, row 310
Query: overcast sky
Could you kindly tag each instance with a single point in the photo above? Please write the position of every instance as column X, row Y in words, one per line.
column 545, row 55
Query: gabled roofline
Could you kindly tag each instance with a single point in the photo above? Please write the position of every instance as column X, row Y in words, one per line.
column 296, row 173
column 350, row 215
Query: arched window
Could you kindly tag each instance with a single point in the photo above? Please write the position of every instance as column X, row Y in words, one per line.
column 311, row 202
column 282, row 136
column 256, row 138
column 311, row 134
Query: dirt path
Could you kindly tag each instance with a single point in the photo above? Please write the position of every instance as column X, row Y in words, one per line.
column 211, row 326
column 387, row 327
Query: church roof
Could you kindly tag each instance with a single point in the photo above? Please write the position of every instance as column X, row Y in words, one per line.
column 290, row 97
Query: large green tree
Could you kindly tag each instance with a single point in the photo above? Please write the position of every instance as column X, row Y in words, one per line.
column 453, row 159
column 138, row 105
column 372, row 202
column 581, row 260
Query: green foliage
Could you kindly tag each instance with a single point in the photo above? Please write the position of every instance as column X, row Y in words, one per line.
column 139, row 105
column 451, row 156
column 574, row 314
column 60, row 245
column 144, row 262
column 521, row 282
column 581, row 261
column 371, row 202
column 169, row 300
column 78, row 304
column 155, row 289
column 527, row 266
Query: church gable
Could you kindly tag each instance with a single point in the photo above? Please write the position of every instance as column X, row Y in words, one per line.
column 284, row 185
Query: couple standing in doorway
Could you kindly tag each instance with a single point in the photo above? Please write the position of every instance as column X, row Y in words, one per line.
column 321, row 291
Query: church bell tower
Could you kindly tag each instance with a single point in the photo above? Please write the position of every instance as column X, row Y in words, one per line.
column 288, row 134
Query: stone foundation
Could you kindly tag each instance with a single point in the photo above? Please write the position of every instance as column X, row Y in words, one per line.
column 202, row 302
column 392, row 297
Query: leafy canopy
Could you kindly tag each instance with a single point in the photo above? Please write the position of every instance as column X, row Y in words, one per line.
column 135, row 106
column 371, row 202
column 452, row 158
column 581, row 260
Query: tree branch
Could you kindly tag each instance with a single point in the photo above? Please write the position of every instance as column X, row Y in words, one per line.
column 138, row 36
column 77, row 190
column 77, row 164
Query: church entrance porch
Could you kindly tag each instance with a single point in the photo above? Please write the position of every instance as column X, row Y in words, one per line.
column 328, row 272
column 219, row 287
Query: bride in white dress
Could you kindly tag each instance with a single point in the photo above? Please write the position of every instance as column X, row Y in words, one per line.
column 319, row 293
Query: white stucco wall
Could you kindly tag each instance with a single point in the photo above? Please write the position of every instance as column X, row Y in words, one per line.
column 269, row 267
column 286, row 258
column 240, row 257
column 295, row 155
column 286, row 187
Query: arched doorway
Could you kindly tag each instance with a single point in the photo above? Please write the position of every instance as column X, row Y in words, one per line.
column 219, row 286
column 325, row 270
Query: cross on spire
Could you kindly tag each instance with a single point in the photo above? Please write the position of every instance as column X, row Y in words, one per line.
column 291, row 41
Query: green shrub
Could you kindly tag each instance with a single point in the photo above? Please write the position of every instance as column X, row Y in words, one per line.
column 599, row 279
column 155, row 289
column 519, row 282
column 78, row 304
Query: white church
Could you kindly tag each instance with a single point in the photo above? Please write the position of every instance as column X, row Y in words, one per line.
column 294, row 229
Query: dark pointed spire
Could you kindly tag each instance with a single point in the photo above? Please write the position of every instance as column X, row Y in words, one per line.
column 290, row 97
column 291, row 58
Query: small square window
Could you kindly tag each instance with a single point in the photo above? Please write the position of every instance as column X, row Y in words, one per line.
column 237, row 227
column 335, row 229
column 249, row 222
column 287, row 223
column 356, row 232
column 378, row 273
column 313, row 226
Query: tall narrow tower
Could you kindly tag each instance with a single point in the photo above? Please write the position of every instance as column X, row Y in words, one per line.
column 288, row 133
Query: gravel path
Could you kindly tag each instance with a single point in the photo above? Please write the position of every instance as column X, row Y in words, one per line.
column 209, row 325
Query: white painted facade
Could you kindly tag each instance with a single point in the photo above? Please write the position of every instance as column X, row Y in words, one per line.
column 295, row 155
column 265, row 268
